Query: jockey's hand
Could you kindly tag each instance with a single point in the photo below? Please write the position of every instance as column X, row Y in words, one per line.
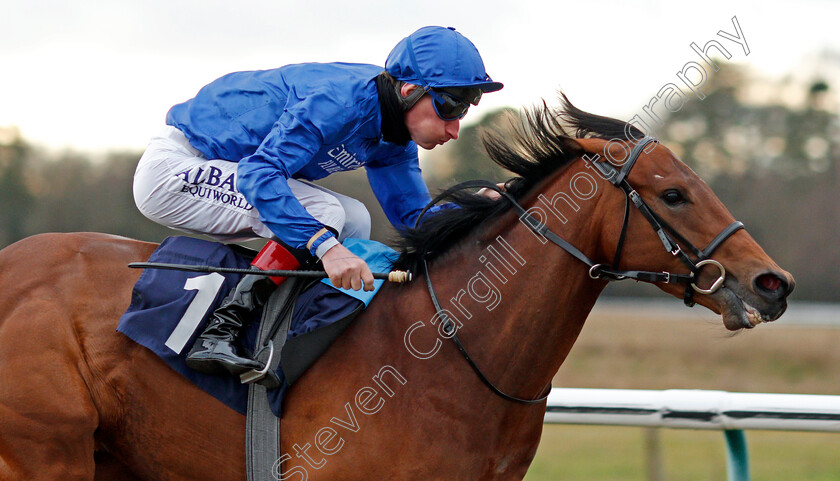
column 347, row 270
column 490, row 193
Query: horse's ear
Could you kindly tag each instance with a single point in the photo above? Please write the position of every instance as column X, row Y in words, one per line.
column 590, row 145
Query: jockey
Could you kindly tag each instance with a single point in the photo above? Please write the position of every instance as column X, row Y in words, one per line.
column 234, row 162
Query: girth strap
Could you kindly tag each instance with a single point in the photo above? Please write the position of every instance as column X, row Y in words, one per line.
column 262, row 427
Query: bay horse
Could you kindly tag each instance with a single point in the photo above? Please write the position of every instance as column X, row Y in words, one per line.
column 392, row 398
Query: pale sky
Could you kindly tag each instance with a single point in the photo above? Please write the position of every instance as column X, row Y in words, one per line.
column 97, row 74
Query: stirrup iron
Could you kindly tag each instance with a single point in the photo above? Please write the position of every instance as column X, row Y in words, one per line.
column 255, row 375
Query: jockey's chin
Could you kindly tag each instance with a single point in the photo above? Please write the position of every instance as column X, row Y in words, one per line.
column 429, row 144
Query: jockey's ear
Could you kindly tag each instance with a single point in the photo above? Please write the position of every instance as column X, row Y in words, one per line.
column 410, row 90
column 409, row 95
column 406, row 89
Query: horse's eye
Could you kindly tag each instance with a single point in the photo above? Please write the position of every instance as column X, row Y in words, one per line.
column 673, row 197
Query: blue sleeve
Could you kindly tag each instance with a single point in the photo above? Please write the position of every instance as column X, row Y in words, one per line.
column 399, row 187
column 292, row 143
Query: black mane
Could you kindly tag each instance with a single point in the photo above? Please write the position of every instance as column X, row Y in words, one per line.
column 539, row 143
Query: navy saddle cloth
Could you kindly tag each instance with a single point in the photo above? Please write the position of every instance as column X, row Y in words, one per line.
column 169, row 309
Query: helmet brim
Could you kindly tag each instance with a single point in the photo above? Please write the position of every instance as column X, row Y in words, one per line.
column 485, row 87
column 489, row 86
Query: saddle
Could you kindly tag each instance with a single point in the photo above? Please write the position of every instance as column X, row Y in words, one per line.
column 169, row 308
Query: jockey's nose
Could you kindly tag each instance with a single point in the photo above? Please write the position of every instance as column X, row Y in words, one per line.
column 452, row 128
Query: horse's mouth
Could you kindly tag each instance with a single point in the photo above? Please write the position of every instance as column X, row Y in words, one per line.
column 738, row 313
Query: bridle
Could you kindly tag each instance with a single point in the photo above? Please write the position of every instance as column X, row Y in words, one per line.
column 662, row 228
column 665, row 232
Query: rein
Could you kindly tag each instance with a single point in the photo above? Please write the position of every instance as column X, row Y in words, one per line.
column 449, row 330
column 618, row 177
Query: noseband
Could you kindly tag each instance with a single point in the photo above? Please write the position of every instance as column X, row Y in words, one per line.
column 618, row 177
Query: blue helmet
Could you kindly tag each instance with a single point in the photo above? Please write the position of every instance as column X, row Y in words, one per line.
column 439, row 57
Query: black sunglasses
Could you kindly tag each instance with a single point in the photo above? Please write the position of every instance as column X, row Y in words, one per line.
column 450, row 105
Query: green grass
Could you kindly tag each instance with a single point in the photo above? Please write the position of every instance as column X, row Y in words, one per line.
column 606, row 453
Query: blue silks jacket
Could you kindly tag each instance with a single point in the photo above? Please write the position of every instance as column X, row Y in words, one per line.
column 302, row 121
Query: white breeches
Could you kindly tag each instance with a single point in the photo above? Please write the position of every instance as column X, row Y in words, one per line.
column 176, row 186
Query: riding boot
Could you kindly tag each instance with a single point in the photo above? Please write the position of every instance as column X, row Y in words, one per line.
column 215, row 351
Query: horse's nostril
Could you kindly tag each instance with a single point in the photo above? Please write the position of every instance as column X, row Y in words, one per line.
column 769, row 282
column 771, row 286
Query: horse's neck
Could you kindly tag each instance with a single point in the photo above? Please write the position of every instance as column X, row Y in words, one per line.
column 522, row 302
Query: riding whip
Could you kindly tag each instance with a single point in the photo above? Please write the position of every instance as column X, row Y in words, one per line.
column 393, row 276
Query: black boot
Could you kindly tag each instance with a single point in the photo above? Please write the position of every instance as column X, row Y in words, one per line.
column 214, row 351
